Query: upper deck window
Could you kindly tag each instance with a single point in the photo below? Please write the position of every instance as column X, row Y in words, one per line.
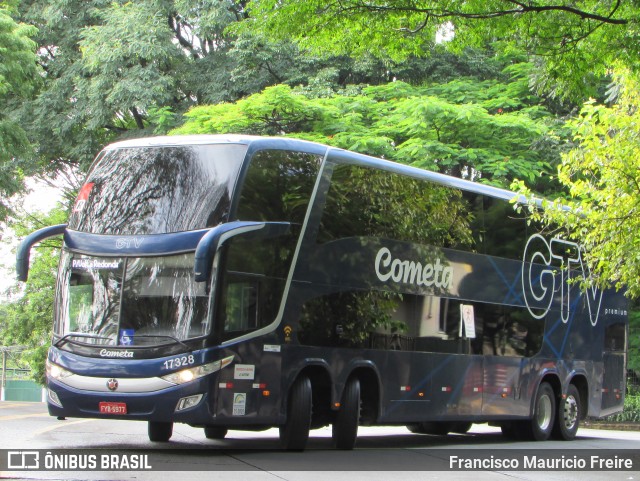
column 277, row 188
column 155, row 190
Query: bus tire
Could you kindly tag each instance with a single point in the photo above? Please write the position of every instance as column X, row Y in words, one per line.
column 568, row 415
column 540, row 426
column 159, row 432
column 345, row 425
column 294, row 433
column 215, row 432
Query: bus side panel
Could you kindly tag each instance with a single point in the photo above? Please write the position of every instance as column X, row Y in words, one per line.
column 249, row 391
column 430, row 387
column 502, row 392
column 457, row 386
column 613, row 382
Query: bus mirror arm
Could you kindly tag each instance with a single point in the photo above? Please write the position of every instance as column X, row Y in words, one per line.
column 216, row 237
column 24, row 249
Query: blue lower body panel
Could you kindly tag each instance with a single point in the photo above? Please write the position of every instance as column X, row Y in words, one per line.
column 148, row 406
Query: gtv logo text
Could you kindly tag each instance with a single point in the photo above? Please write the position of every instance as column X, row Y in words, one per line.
column 547, row 271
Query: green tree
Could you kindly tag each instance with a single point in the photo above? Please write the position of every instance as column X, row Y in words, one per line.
column 123, row 69
column 18, row 78
column 28, row 319
column 488, row 131
column 602, row 176
column 574, row 43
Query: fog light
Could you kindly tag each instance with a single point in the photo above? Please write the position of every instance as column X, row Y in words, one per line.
column 53, row 398
column 188, row 402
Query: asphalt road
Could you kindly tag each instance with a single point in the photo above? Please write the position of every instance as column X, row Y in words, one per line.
column 381, row 452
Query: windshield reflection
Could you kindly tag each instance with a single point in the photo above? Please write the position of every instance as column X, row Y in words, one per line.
column 130, row 301
column 155, row 190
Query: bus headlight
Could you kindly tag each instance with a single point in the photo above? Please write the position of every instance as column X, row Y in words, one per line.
column 56, row 372
column 193, row 373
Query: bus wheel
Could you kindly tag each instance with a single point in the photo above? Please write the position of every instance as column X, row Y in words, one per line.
column 568, row 416
column 215, row 432
column 294, row 433
column 345, row 425
column 541, row 425
column 159, row 432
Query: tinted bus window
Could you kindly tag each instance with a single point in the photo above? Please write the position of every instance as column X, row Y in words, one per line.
column 371, row 214
column 505, row 231
column 158, row 190
column 425, row 239
column 376, row 203
column 277, row 188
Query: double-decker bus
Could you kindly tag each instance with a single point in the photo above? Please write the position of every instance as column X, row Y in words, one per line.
column 245, row 283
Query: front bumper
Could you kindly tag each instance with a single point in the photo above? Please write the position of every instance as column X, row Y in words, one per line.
column 143, row 406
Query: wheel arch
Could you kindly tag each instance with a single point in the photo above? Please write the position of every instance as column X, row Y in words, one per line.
column 319, row 374
column 370, row 390
column 581, row 383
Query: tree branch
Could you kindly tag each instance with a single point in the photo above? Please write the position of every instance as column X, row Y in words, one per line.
column 138, row 118
column 174, row 25
column 521, row 8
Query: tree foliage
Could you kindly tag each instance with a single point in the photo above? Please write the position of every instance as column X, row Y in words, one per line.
column 484, row 130
column 28, row 318
column 18, row 78
column 113, row 69
column 573, row 42
column 602, row 176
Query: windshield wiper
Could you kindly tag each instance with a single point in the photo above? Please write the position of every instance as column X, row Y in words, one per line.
column 165, row 336
column 67, row 338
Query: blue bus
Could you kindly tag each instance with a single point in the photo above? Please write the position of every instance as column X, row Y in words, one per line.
column 245, row 283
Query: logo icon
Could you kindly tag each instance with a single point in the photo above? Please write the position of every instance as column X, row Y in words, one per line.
column 23, row 460
column 112, row 384
column 549, row 268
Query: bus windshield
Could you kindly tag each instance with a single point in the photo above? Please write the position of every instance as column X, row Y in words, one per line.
column 157, row 190
column 129, row 301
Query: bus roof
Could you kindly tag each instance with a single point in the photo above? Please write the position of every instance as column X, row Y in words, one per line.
column 346, row 156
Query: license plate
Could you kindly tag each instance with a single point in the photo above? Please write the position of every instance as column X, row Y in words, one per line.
column 112, row 408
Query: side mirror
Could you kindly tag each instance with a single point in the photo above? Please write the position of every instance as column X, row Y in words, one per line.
column 24, row 249
column 216, row 237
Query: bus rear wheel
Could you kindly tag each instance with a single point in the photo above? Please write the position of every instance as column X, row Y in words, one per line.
column 159, row 432
column 215, row 432
column 568, row 415
column 544, row 412
column 345, row 425
column 294, row 433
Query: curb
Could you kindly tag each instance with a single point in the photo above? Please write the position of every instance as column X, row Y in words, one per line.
column 612, row 426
